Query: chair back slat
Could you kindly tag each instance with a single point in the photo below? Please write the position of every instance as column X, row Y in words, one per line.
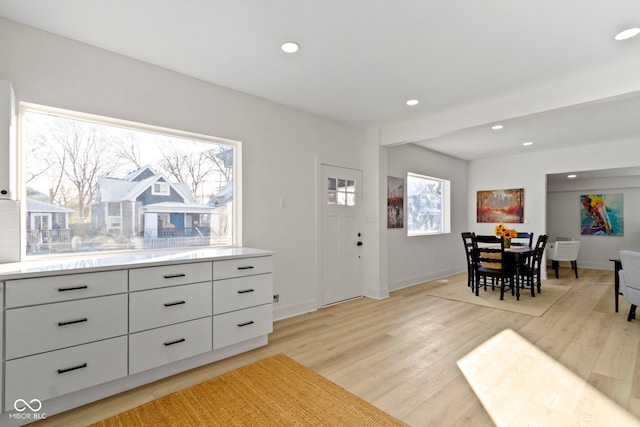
column 523, row 239
column 489, row 251
column 536, row 259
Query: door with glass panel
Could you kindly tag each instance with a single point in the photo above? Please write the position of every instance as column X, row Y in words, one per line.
column 341, row 234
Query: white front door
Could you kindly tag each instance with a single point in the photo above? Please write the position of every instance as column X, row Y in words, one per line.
column 341, row 239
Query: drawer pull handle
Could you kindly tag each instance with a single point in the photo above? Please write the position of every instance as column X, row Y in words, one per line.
column 246, row 267
column 245, row 291
column 175, row 342
column 171, row 304
column 72, row 322
column 250, row 322
column 62, row 371
column 72, row 288
column 173, row 276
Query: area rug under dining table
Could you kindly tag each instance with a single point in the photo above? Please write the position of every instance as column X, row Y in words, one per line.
column 276, row 391
column 455, row 288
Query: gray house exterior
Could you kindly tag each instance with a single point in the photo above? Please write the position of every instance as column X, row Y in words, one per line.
column 47, row 224
column 147, row 205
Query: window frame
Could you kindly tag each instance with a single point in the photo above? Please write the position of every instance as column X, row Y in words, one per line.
column 24, row 107
column 164, row 189
column 445, row 210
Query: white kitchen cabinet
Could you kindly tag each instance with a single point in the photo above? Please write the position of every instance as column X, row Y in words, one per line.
column 41, row 290
column 242, row 300
column 164, row 345
column 80, row 330
column 165, row 306
column 40, row 328
column 55, row 373
column 241, row 325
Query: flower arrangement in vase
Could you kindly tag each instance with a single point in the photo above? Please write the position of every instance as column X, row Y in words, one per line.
column 506, row 233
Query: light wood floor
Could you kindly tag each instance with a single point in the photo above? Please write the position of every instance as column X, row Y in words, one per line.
column 400, row 353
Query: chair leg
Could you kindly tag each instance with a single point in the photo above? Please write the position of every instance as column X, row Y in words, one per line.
column 632, row 313
column 533, row 286
column 574, row 265
column 555, row 265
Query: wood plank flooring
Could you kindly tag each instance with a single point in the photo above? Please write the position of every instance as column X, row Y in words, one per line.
column 400, row 353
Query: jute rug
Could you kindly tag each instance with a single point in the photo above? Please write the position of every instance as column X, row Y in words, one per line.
column 457, row 290
column 276, row 391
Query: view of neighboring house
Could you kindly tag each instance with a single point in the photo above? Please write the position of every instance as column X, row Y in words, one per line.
column 46, row 223
column 144, row 204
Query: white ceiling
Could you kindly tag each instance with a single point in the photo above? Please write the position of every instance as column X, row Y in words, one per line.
column 362, row 59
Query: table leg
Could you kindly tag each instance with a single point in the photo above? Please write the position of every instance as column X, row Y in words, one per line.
column 616, row 281
column 517, row 260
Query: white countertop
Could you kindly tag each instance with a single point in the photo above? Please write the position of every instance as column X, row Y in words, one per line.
column 103, row 262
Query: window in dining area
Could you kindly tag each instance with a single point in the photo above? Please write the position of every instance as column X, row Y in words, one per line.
column 428, row 202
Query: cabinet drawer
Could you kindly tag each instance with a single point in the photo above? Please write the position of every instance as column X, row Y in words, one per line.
column 47, row 327
column 43, row 290
column 169, row 275
column 241, row 325
column 241, row 267
column 47, row 375
column 242, row 292
column 160, row 307
column 165, row 345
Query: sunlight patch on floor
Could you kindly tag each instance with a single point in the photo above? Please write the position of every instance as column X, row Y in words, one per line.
column 518, row 384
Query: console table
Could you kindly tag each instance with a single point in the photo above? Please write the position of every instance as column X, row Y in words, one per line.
column 77, row 330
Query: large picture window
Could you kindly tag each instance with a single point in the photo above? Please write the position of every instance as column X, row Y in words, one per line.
column 95, row 184
column 427, row 205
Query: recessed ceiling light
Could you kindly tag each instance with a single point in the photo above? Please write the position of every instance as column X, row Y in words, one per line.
column 571, row 176
column 290, row 47
column 526, row 144
column 628, row 33
column 412, row 102
column 497, row 127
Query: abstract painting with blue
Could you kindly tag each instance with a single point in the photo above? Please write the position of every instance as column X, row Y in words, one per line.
column 602, row 215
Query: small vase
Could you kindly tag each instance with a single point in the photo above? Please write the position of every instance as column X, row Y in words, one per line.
column 507, row 243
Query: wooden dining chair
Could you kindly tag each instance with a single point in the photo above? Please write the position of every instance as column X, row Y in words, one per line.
column 491, row 263
column 467, row 240
column 531, row 270
column 523, row 239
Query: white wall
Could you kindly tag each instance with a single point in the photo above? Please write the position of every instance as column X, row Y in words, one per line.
column 417, row 259
column 281, row 146
column 281, row 149
column 529, row 171
column 563, row 217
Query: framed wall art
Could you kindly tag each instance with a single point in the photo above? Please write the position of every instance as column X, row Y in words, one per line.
column 602, row 214
column 500, row 205
column 395, row 202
